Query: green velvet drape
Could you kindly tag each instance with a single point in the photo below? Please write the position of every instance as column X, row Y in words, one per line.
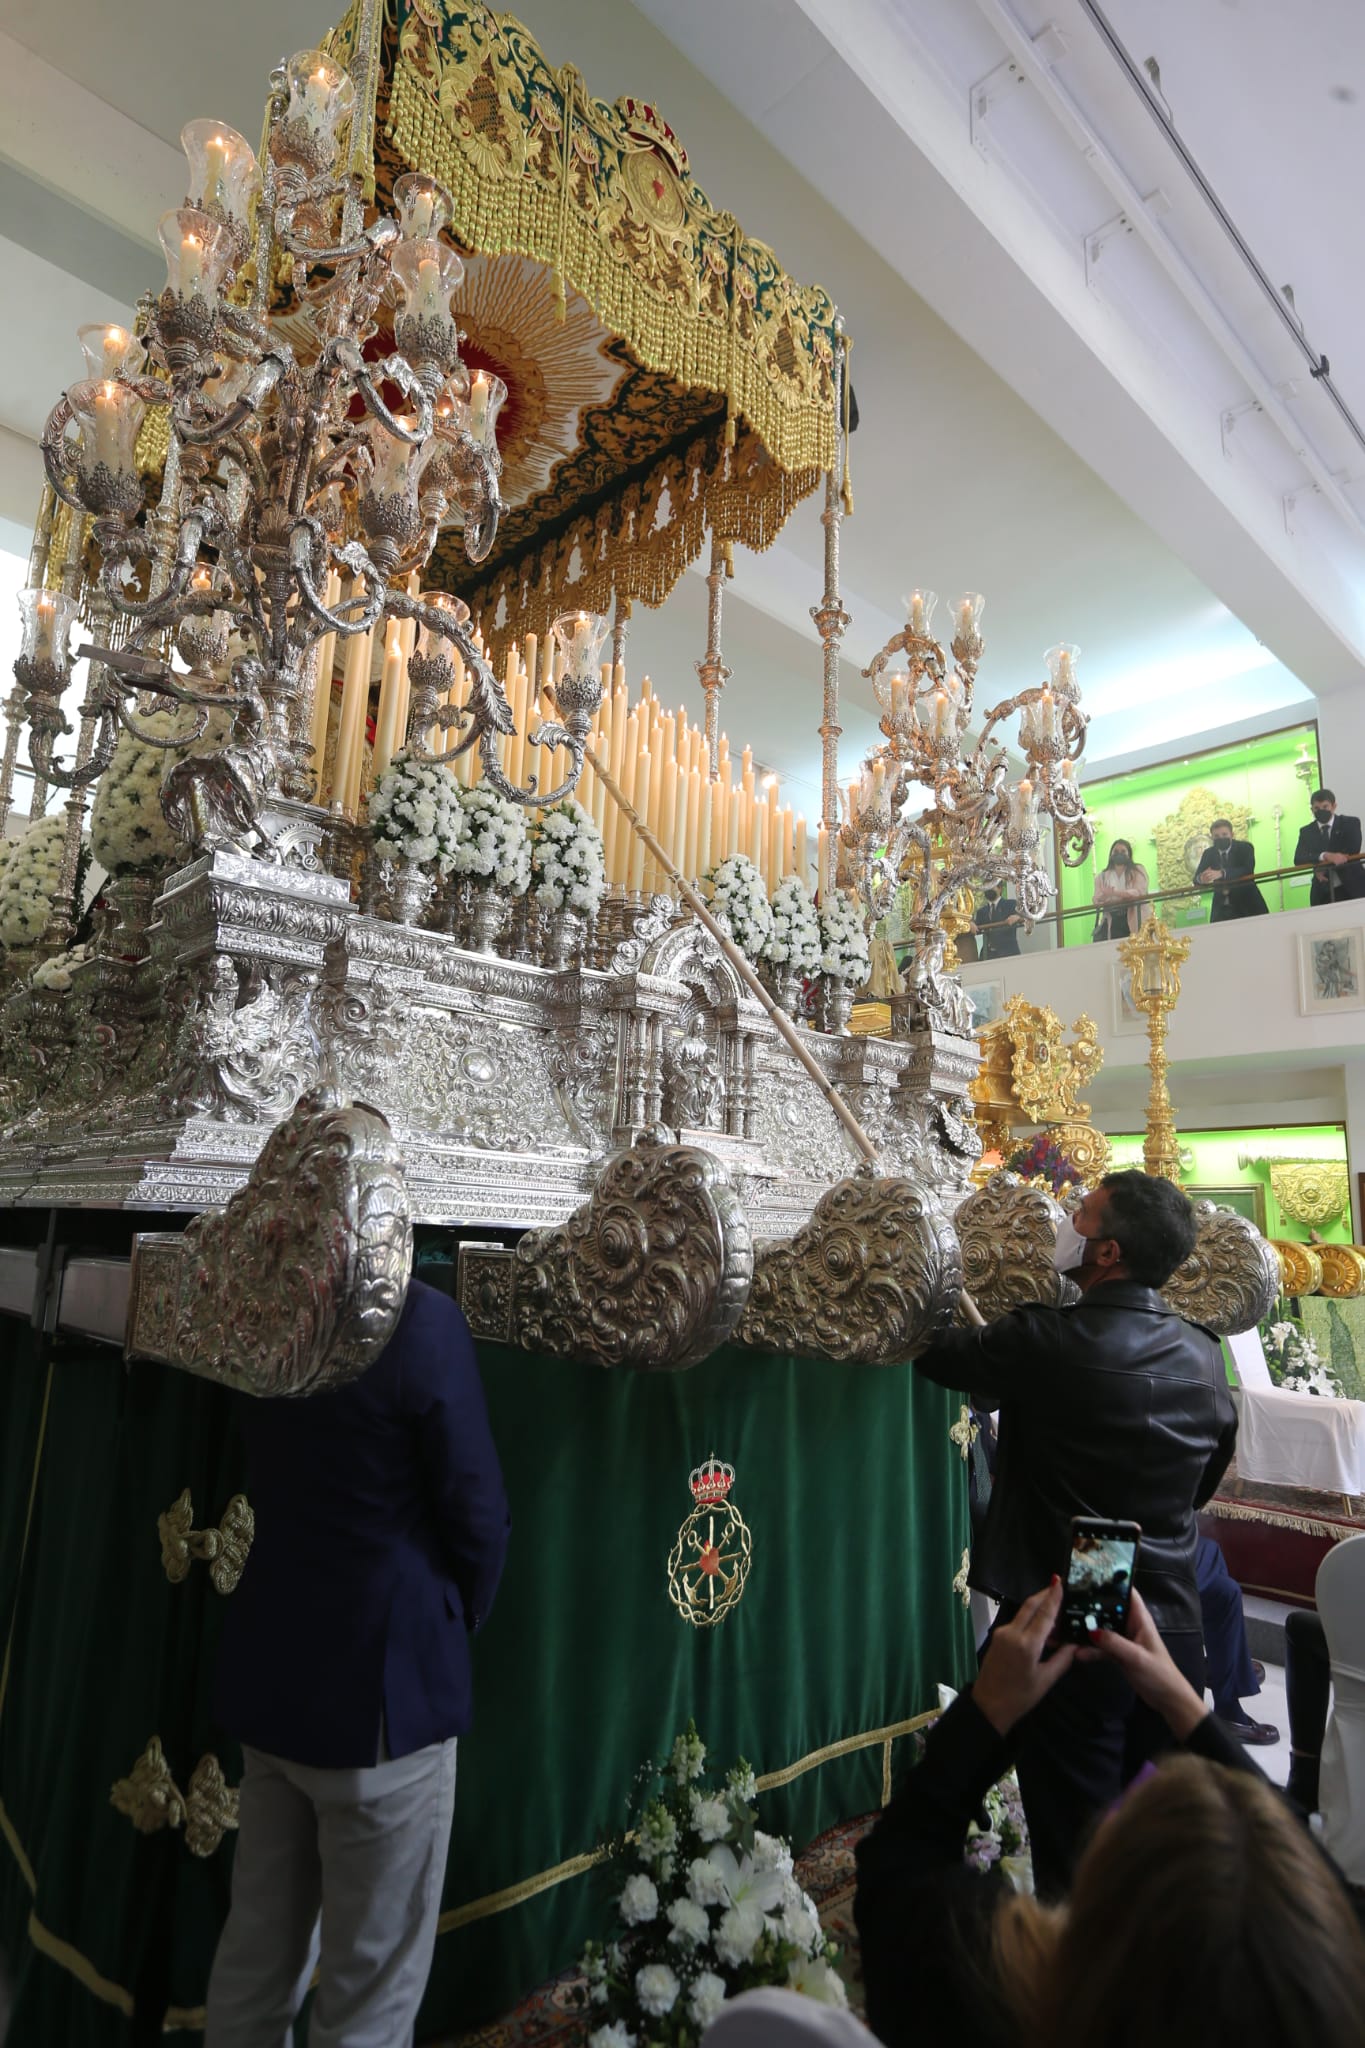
column 856, row 1501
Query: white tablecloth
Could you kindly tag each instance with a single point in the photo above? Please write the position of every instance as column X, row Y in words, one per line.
column 1302, row 1440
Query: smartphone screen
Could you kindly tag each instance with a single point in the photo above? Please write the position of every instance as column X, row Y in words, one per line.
column 1099, row 1580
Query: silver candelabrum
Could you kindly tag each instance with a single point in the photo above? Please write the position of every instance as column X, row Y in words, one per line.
column 287, row 470
column 980, row 825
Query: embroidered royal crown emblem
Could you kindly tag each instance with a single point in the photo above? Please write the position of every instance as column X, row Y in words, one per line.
column 711, row 1481
column 709, row 1562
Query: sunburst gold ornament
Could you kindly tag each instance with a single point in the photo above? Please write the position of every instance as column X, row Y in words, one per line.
column 709, row 1562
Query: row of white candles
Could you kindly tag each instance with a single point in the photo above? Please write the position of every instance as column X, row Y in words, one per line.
column 657, row 758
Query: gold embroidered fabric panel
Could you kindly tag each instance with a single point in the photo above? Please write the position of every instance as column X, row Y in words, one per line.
column 225, row 1549
column 150, row 1798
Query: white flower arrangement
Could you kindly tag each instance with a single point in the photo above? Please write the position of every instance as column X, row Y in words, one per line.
column 28, row 885
column 496, row 847
column 709, row 1907
column 737, row 889
column 843, row 932
column 568, row 869
column 794, row 940
column 129, row 834
column 416, row 815
column 1295, row 1363
column 56, row 973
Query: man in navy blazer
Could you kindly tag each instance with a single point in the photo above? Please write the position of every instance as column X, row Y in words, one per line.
column 344, row 1671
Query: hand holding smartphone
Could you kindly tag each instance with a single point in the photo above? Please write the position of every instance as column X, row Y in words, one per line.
column 1099, row 1579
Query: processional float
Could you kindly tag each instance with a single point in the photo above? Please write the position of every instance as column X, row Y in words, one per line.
column 460, row 371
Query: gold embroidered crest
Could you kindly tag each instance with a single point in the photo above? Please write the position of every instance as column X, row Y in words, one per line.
column 709, row 1562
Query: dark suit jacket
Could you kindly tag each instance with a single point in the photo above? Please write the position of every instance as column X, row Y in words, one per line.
column 1115, row 1408
column 381, row 1530
column 998, row 937
column 1241, row 899
column 1345, row 838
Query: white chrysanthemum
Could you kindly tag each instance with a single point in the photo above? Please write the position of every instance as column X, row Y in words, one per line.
column 639, row 1900
column 737, row 890
column 416, row 815
column 128, row 829
column 708, row 1996
column 568, row 869
column 738, row 1934
column 689, row 1923
column 56, row 973
column 814, row 1978
column 772, row 1853
column 656, row 1987
column 798, row 1920
column 794, row 940
column 846, row 955
column 28, row 886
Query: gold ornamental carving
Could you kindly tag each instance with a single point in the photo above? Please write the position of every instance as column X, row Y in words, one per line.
column 151, row 1800
column 1312, row 1191
column 870, row 1280
column 1231, row 1280
column 1300, row 1266
column 1154, row 957
column 1048, row 1075
column 1088, row 1150
column 225, row 1549
column 1343, row 1270
column 1183, row 834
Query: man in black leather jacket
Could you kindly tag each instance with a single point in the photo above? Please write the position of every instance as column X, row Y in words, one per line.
column 1115, row 1408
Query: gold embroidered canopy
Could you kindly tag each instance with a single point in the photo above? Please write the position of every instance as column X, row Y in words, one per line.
column 665, row 375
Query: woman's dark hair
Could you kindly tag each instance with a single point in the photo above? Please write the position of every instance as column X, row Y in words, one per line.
column 1152, row 1223
column 1127, row 847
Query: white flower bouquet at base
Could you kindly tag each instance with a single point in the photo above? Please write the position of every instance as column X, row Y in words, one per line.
column 1294, row 1362
column 793, row 942
column 28, row 886
column 845, row 955
column 55, row 974
column 415, row 814
column 708, row 1907
column 737, row 889
column 568, row 869
column 496, row 847
column 129, row 834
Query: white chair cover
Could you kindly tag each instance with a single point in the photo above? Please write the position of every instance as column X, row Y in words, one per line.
column 1340, row 1594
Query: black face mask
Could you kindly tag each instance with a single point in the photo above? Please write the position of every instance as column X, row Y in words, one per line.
column 1322, row 814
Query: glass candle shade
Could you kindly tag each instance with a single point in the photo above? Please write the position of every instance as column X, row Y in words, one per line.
column 486, row 396
column 321, row 97
column 110, row 417
column 1060, row 662
column 48, row 616
column 434, row 644
column 424, row 207
column 427, row 273
column 579, row 637
column 919, row 612
column 199, row 253
column 223, row 174
column 967, row 616
column 397, row 464
column 110, row 351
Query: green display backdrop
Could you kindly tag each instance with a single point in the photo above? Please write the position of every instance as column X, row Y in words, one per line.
column 1162, row 810
column 1213, row 1168
column 856, row 1500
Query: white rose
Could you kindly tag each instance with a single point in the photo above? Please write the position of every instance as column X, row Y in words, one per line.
column 708, row 1996
column 639, row 1901
column 656, row 1987
column 706, row 1884
column 689, row 1922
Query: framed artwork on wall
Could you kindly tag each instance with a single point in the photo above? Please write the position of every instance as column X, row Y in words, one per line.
column 1331, row 971
column 1246, row 1197
column 1129, row 1021
column 988, row 1003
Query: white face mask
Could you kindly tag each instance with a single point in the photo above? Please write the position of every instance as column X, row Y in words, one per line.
column 1069, row 1251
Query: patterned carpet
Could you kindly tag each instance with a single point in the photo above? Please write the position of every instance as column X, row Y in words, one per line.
column 545, row 2018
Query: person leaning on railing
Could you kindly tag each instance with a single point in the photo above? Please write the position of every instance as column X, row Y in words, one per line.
column 1121, row 893
column 1332, row 844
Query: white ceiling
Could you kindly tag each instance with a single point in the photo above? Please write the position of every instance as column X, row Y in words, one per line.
column 1004, row 466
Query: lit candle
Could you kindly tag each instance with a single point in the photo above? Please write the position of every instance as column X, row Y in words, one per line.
column 313, row 102
column 215, row 163
column 854, row 807
column 191, row 266
column 878, row 780
column 45, row 612
column 421, row 215
column 965, row 621
column 821, row 855
column 1068, row 771
column 940, row 713
column 426, row 305
column 478, row 411
column 1047, row 713
column 107, row 427
column 917, row 613
column 900, row 687
column 115, row 347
